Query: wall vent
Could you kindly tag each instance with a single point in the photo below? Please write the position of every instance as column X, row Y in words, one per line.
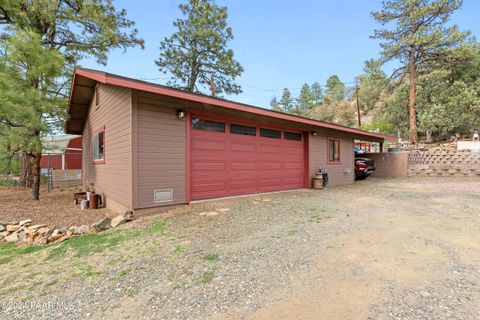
column 163, row 195
column 97, row 96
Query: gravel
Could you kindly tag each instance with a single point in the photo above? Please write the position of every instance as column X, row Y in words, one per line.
column 275, row 248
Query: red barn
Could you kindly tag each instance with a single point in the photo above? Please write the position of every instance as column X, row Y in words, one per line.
column 62, row 152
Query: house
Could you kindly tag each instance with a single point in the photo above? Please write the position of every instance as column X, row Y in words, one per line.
column 147, row 145
column 62, row 152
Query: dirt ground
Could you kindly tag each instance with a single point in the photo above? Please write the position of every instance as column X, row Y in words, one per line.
column 377, row 249
column 55, row 209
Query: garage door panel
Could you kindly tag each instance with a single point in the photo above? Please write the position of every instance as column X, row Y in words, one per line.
column 208, row 166
column 209, row 145
column 243, row 147
column 267, row 165
column 271, row 148
column 243, row 165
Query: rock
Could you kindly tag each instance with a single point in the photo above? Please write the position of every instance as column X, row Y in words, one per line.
column 128, row 215
column 118, row 220
column 223, row 209
column 31, row 237
column 2, row 228
column 12, row 227
column 13, row 222
column 12, row 237
column 102, row 225
column 37, row 226
column 55, row 232
column 43, row 230
column 4, row 234
column 22, row 236
column 80, row 230
column 63, row 230
column 67, row 236
column 40, row 241
column 25, row 222
column 54, row 238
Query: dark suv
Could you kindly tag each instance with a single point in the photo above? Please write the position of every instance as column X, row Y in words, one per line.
column 363, row 166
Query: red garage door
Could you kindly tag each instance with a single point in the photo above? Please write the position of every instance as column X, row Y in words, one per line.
column 230, row 158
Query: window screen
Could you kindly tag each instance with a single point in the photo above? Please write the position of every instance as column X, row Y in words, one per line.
column 292, row 136
column 239, row 129
column 99, row 146
column 268, row 133
column 208, row 125
column 333, row 150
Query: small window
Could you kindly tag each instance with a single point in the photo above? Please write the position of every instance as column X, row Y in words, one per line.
column 99, row 146
column 333, row 150
column 239, row 129
column 292, row 136
column 208, row 125
column 268, row 133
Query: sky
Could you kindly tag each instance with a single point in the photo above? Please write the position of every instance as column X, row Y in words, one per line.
column 279, row 43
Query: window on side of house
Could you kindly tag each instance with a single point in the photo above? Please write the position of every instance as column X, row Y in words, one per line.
column 292, row 136
column 99, row 146
column 239, row 129
column 333, row 150
column 269, row 133
column 208, row 125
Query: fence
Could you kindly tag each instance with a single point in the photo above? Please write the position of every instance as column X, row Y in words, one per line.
column 62, row 178
column 443, row 163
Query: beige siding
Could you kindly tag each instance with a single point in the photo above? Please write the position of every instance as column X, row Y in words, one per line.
column 336, row 172
column 113, row 178
column 161, row 141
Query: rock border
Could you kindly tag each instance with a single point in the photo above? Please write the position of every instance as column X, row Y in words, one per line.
column 23, row 232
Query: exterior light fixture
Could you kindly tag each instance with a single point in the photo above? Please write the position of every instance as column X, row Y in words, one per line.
column 180, row 114
column 314, row 133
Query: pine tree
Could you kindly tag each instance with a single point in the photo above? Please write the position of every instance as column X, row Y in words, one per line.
column 198, row 52
column 317, row 94
column 274, row 104
column 335, row 89
column 418, row 35
column 304, row 100
column 42, row 41
column 286, row 102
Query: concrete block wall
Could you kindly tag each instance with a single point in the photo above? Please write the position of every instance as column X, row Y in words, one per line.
column 443, row 164
column 389, row 164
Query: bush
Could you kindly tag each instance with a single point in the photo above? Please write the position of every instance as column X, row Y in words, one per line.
column 8, row 182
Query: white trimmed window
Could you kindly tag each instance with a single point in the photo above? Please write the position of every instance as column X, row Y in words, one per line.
column 99, row 146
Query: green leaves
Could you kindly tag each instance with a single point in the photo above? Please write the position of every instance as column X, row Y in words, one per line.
column 198, row 50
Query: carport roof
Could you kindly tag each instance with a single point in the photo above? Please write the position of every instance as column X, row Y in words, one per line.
column 83, row 86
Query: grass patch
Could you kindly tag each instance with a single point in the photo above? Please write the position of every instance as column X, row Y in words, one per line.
column 207, row 277
column 9, row 251
column 179, row 249
column 79, row 246
column 124, row 272
column 211, row 257
column 51, row 283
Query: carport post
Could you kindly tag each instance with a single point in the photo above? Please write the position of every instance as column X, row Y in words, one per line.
column 381, row 147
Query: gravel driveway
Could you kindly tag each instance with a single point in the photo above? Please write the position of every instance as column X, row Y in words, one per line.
column 377, row 249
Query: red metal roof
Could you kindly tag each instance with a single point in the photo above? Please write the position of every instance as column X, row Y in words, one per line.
column 116, row 80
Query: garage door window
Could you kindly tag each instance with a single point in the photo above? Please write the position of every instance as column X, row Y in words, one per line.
column 208, row 125
column 239, row 129
column 269, row 133
column 292, row 136
column 333, row 150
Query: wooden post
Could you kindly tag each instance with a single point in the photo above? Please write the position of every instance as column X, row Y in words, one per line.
column 212, row 84
column 357, row 88
column 381, row 147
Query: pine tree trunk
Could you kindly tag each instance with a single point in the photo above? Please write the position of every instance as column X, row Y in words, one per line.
column 25, row 171
column 411, row 99
column 35, row 166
